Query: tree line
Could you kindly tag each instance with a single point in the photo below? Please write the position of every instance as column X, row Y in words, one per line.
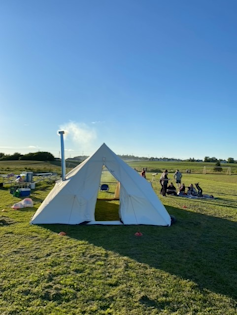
column 47, row 156
column 213, row 159
column 36, row 156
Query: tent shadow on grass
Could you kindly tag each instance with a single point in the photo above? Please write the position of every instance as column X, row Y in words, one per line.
column 145, row 300
column 198, row 247
column 225, row 203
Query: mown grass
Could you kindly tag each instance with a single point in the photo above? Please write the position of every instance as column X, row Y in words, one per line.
column 194, row 167
column 188, row 268
column 152, row 166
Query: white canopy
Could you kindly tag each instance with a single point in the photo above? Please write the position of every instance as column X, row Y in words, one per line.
column 73, row 200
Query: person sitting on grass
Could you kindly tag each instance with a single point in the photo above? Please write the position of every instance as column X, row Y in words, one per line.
column 200, row 194
column 192, row 191
column 199, row 190
column 181, row 191
column 171, row 190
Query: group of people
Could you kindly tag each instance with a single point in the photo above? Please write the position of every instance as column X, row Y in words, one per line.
column 191, row 191
column 170, row 189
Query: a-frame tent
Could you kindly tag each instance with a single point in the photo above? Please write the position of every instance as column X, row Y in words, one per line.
column 73, row 200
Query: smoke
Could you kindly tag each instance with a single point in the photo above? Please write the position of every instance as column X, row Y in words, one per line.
column 80, row 133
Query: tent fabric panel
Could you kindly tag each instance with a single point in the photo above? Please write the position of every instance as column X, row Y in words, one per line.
column 137, row 210
column 58, row 210
column 59, row 188
column 139, row 189
column 88, row 189
column 84, row 178
column 79, row 212
column 76, row 169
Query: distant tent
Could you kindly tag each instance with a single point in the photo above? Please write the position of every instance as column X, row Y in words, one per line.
column 73, row 200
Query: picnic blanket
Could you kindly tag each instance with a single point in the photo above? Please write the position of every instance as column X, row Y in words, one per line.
column 204, row 196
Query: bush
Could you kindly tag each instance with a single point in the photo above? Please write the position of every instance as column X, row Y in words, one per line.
column 38, row 156
column 217, row 167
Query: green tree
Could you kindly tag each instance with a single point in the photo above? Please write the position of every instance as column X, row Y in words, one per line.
column 218, row 167
column 9, row 157
column 16, row 156
column 6, row 157
column 38, row 156
column 230, row 160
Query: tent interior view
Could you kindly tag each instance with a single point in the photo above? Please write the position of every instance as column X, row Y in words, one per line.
column 107, row 205
column 73, row 200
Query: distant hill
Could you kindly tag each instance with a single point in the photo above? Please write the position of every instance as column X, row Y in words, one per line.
column 131, row 158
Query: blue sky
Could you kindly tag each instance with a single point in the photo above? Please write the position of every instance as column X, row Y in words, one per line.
column 146, row 77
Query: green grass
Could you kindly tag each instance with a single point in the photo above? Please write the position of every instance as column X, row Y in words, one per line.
column 189, row 268
column 195, row 167
column 35, row 166
column 152, row 166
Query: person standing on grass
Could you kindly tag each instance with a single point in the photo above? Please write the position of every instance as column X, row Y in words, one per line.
column 164, row 182
column 143, row 173
column 177, row 177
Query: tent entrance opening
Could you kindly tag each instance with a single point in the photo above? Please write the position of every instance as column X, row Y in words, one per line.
column 107, row 206
column 107, row 210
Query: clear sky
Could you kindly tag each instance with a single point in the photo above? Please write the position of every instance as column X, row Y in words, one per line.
column 147, row 77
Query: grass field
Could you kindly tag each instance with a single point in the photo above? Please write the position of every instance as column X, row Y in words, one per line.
column 152, row 166
column 188, row 268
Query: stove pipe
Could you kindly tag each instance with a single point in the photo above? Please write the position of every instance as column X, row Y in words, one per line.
column 61, row 132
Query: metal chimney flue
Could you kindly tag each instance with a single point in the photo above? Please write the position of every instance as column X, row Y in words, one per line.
column 61, row 133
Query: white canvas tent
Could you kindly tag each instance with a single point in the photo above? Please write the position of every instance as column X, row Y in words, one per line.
column 73, row 200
